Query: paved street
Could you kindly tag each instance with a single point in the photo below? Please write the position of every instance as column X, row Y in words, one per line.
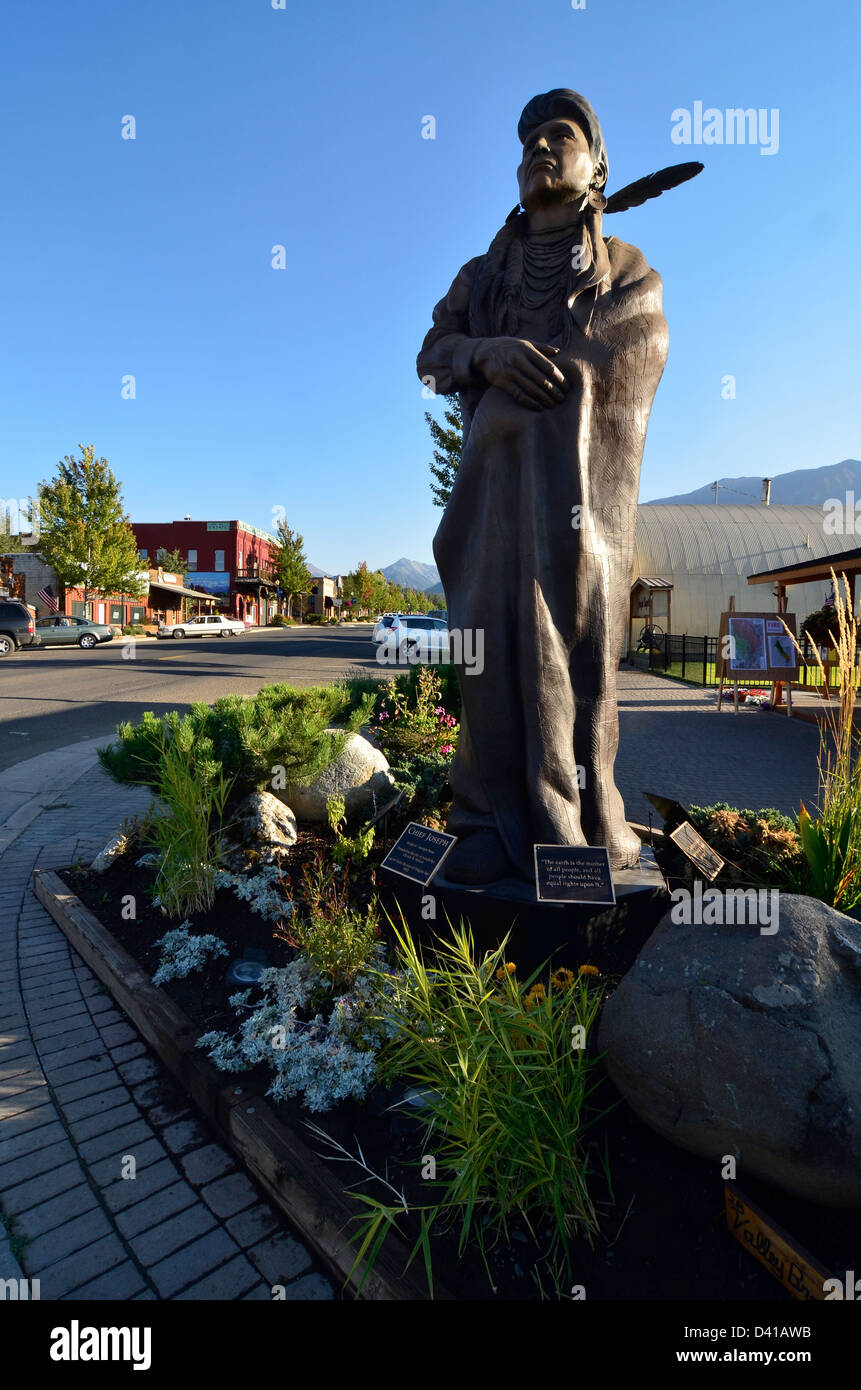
column 56, row 696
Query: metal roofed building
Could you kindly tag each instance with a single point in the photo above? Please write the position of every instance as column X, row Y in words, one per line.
column 707, row 551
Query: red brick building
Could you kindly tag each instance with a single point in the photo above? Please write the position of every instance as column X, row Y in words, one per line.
column 229, row 560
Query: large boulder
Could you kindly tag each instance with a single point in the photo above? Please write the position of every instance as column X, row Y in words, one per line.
column 262, row 822
column 728, row 1041
column 360, row 774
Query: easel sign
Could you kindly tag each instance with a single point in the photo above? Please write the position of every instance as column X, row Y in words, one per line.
column 756, row 647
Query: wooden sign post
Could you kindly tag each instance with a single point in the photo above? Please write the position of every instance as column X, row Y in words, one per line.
column 758, row 647
column 798, row 1272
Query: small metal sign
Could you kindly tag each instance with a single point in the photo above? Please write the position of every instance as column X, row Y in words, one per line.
column 573, row 874
column 419, row 853
column 790, row 1264
column 706, row 859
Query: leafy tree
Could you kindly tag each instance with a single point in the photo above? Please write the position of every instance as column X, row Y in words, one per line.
column 84, row 534
column 448, row 439
column 359, row 585
column 416, row 601
column 172, row 561
column 290, row 564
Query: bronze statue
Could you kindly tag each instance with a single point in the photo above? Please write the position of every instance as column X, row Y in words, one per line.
column 556, row 341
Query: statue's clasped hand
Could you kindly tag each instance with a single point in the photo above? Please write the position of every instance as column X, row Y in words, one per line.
column 523, row 369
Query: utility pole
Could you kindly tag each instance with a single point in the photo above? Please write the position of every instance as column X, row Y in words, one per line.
column 716, row 486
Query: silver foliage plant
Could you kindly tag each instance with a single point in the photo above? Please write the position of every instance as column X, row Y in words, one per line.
column 259, row 890
column 327, row 1058
column 181, row 953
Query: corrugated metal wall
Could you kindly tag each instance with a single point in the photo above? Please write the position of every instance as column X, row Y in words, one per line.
column 708, row 552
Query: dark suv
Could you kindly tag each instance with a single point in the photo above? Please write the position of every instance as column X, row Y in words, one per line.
column 17, row 628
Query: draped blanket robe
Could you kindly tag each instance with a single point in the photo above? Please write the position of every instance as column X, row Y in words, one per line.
column 550, row 595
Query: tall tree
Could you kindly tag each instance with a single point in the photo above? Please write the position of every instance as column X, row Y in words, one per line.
column 172, row 561
column 368, row 587
column 290, row 564
column 448, row 439
column 84, row 534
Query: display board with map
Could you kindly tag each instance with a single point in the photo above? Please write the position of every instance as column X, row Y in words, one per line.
column 757, row 646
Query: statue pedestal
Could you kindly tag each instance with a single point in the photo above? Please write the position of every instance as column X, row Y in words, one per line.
column 573, row 934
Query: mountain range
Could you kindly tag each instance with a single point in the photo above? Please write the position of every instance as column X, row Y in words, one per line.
column 808, row 487
column 410, row 574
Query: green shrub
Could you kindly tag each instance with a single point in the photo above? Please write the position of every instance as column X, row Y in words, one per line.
column 424, row 782
column 506, row 1082
column 273, row 738
column 133, row 630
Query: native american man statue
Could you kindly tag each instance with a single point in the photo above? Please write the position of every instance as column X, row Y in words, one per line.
column 556, row 341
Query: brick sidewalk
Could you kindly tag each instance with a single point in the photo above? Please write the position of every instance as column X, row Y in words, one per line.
column 79, row 1091
column 673, row 741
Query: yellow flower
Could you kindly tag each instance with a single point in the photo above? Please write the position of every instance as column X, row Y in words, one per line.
column 534, row 995
column 589, row 970
column 562, row 978
column 508, row 969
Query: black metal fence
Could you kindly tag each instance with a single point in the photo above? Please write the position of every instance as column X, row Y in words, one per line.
column 695, row 659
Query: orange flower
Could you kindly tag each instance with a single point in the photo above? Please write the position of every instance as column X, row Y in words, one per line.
column 562, row 978
column 534, row 995
column 508, row 969
column 589, row 970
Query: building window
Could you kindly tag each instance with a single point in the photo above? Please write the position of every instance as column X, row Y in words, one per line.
column 159, row 555
column 219, row 560
column 136, row 615
column 192, row 560
column 143, row 556
column 240, row 559
column 116, row 613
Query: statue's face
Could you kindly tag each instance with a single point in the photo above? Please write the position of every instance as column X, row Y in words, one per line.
column 557, row 163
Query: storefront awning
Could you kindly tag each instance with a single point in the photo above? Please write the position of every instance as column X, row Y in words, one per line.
column 180, row 590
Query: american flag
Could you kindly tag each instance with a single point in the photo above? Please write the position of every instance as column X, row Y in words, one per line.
column 47, row 597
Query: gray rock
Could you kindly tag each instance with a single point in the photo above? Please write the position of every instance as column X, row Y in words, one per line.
column 264, row 823
column 360, row 775
column 105, row 858
column 726, row 1041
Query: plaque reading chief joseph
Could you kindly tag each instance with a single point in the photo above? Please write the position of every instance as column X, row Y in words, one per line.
column 555, row 340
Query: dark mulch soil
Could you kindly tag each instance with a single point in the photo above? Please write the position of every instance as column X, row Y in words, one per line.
column 663, row 1229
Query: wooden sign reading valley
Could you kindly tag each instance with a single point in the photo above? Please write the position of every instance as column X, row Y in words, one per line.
column 790, row 1264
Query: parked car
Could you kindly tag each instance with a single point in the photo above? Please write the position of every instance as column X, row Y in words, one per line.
column 382, row 626
column 64, row 630
column 411, row 637
column 17, row 627
column 207, row 625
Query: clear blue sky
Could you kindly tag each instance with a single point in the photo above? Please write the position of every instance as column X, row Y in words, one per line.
column 258, row 388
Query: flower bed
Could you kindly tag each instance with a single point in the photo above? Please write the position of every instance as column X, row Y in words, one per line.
column 456, row 1091
column 661, row 1229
